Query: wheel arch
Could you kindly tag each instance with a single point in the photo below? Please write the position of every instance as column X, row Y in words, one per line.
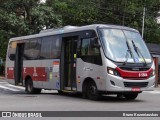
column 86, row 81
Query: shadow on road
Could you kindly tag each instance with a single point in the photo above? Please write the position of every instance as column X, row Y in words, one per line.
column 103, row 99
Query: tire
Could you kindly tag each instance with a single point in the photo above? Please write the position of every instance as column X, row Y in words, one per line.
column 61, row 92
column 30, row 89
column 131, row 96
column 92, row 91
column 84, row 91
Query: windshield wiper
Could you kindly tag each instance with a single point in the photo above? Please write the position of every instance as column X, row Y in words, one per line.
column 128, row 51
column 138, row 52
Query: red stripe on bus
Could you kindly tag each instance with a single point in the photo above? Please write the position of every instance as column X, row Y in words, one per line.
column 135, row 74
column 10, row 73
column 37, row 73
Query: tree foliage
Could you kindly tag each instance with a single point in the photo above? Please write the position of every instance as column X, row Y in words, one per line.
column 24, row 17
column 120, row 12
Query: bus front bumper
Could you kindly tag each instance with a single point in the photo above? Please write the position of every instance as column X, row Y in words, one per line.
column 119, row 84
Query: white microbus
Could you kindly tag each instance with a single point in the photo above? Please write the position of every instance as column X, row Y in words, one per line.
column 93, row 60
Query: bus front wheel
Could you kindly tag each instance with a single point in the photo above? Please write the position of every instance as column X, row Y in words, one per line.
column 30, row 89
column 131, row 96
column 92, row 91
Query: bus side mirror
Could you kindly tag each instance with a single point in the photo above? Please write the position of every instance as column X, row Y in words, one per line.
column 94, row 42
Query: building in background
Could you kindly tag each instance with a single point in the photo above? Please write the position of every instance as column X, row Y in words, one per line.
column 155, row 52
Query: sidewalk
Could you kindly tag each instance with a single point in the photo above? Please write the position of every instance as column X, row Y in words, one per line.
column 2, row 77
column 157, row 88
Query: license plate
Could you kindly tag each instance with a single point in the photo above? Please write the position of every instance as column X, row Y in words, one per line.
column 136, row 89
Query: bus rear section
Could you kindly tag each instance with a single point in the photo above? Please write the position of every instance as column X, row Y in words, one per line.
column 92, row 60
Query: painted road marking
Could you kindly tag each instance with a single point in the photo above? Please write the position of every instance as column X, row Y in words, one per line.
column 153, row 92
column 7, row 88
column 3, row 82
column 19, row 87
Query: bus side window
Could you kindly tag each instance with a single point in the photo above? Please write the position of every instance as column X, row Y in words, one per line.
column 50, row 48
column 46, row 47
column 55, row 49
column 12, row 50
column 32, row 49
column 89, row 53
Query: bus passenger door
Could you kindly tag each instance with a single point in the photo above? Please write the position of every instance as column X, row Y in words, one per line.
column 18, row 65
column 69, row 69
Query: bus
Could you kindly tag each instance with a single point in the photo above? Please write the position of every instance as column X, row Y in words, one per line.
column 92, row 60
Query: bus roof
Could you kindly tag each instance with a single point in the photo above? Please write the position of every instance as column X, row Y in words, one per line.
column 69, row 29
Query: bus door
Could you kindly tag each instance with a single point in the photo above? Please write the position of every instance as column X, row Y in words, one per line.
column 70, row 46
column 18, row 65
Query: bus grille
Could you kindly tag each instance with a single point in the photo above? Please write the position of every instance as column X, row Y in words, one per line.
column 135, row 84
column 134, row 69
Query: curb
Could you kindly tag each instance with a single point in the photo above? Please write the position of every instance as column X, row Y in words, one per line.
column 2, row 77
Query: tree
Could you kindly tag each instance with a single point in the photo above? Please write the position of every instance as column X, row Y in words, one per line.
column 120, row 12
column 24, row 17
column 29, row 16
column 3, row 44
column 75, row 12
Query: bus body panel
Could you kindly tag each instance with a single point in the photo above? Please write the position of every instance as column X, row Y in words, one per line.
column 88, row 70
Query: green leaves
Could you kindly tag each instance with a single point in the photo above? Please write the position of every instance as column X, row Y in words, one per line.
column 23, row 17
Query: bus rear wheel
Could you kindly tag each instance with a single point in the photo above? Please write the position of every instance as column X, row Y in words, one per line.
column 131, row 96
column 30, row 89
column 61, row 92
column 92, row 91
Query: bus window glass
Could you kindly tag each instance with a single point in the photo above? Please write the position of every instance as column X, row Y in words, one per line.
column 55, row 48
column 12, row 50
column 118, row 42
column 88, row 49
column 46, row 47
column 135, row 38
column 32, row 49
column 89, row 53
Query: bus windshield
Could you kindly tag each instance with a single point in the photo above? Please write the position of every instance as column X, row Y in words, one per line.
column 125, row 46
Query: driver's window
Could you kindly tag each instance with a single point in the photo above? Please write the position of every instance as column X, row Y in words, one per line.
column 90, row 53
column 88, row 48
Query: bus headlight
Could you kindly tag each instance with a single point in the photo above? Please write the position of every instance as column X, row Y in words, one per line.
column 112, row 71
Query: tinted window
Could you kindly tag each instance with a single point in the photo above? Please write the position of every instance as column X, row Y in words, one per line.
column 56, row 46
column 32, row 49
column 89, row 53
column 46, row 47
column 88, row 49
column 50, row 48
column 12, row 50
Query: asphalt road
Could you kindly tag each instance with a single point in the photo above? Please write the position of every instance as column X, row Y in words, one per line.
column 14, row 98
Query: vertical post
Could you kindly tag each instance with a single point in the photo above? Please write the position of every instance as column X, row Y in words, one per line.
column 156, row 70
column 144, row 12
